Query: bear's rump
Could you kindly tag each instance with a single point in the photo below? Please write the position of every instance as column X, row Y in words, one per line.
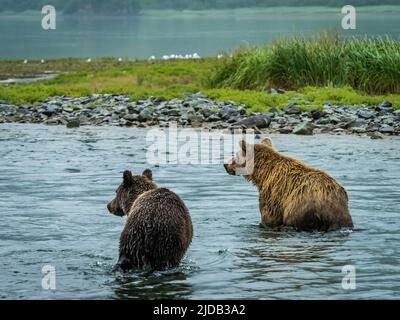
column 318, row 214
column 158, row 231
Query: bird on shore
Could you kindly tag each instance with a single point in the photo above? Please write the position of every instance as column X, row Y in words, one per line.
column 89, row 60
column 119, row 59
column 42, row 61
column 25, row 61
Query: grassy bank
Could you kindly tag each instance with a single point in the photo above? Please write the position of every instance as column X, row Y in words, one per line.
column 78, row 78
column 369, row 65
column 170, row 79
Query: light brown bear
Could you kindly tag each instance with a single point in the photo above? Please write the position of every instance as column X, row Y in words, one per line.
column 292, row 193
column 158, row 230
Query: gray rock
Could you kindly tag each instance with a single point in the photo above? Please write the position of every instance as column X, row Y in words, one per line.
column 350, row 122
column 146, row 114
column 305, row 128
column 366, row 114
column 172, row 113
column 376, row 135
column 224, row 113
column 52, row 122
column 259, row 121
column 386, row 129
column 73, row 123
column 317, row 114
column 49, row 110
column 234, row 119
column 333, row 120
column 206, row 111
column 294, row 121
column 131, row 117
column 359, row 130
column 195, row 117
column 7, row 108
column 242, row 111
column 213, row 118
column 323, row 121
column 292, row 108
column 385, row 106
column 285, row 130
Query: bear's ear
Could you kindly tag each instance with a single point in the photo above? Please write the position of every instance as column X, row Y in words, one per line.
column 148, row 174
column 127, row 178
column 267, row 142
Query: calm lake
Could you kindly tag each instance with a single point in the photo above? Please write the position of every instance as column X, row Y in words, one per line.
column 206, row 33
column 55, row 184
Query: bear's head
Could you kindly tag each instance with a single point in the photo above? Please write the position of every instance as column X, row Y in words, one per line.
column 128, row 191
column 243, row 162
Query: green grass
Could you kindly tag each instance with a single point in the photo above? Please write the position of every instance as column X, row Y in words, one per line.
column 170, row 79
column 137, row 78
column 308, row 98
column 368, row 65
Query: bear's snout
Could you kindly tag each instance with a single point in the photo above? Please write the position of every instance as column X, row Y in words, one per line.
column 114, row 209
column 230, row 169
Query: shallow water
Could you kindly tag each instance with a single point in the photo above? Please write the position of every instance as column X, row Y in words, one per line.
column 55, row 184
column 206, row 33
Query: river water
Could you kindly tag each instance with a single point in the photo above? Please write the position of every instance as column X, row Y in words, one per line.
column 55, row 184
column 206, row 33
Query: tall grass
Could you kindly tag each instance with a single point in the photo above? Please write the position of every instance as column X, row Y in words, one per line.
column 370, row 65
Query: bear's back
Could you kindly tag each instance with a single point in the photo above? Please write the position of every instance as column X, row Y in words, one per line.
column 158, row 230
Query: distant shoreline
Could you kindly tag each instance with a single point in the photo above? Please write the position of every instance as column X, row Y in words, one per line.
column 250, row 11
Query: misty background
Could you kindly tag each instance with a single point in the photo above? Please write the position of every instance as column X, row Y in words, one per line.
column 139, row 29
column 135, row 6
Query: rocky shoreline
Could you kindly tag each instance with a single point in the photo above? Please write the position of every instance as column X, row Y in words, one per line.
column 197, row 111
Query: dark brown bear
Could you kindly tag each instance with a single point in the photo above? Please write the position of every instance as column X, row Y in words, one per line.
column 159, row 229
column 291, row 192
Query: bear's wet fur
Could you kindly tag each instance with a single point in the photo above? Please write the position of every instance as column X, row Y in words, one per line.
column 158, row 230
column 291, row 193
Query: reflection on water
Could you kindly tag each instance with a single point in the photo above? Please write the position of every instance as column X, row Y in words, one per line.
column 163, row 285
column 141, row 37
column 55, row 184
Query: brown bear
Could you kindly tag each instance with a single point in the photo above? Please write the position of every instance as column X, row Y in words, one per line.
column 158, row 230
column 292, row 193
